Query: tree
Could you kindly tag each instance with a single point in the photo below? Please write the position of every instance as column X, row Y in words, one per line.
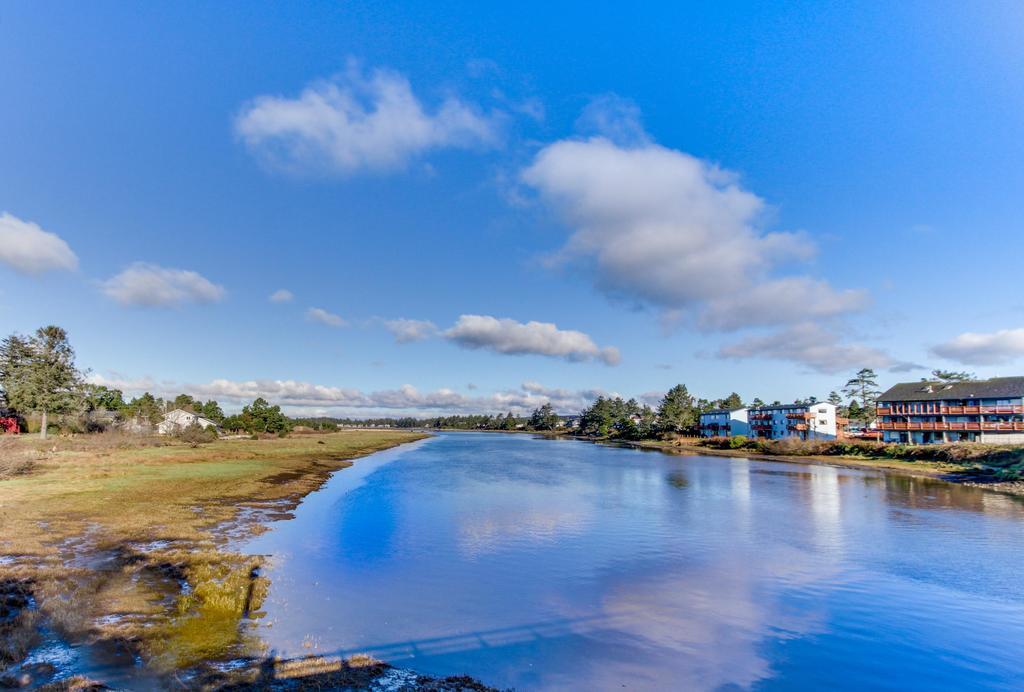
column 39, row 373
column 596, row 419
column 261, row 417
column 146, row 407
column 854, row 411
column 544, row 418
column 233, row 423
column 951, row 376
column 186, row 403
column 758, row 402
column 96, row 397
column 732, row 402
column 836, row 399
column 510, row 422
column 15, row 356
column 676, row 412
column 864, row 387
column 212, row 410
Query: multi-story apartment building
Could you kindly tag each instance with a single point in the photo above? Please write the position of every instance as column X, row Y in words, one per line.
column 805, row 421
column 724, row 422
column 981, row 411
column 816, row 421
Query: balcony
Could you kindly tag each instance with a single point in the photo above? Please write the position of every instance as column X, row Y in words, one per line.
column 942, row 425
column 798, row 427
column 927, row 410
column 800, row 416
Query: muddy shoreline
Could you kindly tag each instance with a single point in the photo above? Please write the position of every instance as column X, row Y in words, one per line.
column 86, row 605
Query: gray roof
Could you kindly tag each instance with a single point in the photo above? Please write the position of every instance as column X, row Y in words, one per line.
column 779, row 407
column 996, row 388
column 723, row 410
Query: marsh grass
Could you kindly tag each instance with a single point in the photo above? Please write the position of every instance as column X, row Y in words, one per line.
column 123, row 537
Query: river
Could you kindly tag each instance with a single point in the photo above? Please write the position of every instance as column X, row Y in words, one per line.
column 557, row 564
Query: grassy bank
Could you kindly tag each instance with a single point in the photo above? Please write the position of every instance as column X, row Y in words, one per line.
column 963, row 461
column 120, row 540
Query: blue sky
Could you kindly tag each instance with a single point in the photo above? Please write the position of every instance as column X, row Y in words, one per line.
column 737, row 196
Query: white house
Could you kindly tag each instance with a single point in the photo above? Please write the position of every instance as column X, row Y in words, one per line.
column 806, row 421
column 180, row 418
column 724, row 422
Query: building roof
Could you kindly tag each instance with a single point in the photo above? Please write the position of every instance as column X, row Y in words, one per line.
column 996, row 388
column 178, row 413
column 779, row 407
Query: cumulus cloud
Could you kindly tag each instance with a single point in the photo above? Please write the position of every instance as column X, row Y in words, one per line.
column 780, row 301
column 406, row 330
column 282, row 295
column 357, row 122
column 29, row 249
column 517, row 338
column 305, row 397
column 994, row 348
column 150, row 285
column 324, row 317
column 812, row 346
column 663, row 228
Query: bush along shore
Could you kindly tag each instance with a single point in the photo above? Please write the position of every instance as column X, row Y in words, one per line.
column 999, row 467
column 118, row 546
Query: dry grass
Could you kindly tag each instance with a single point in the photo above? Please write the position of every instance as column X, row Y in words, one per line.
column 109, row 528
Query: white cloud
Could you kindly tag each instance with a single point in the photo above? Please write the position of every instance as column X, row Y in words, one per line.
column 282, row 295
column 517, row 338
column 29, row 249
column 615, row 118
column 780, row 301
column 150, row 285
column 660, row 227
column 812, row 346
column 358, row 122
column 305, row 398
column 324, row 317
column 406, row 330
column 995, row 348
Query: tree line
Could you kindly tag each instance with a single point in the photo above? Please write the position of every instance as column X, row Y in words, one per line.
column 38, row 376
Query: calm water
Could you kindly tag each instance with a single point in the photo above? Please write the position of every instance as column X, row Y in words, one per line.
column 545, row 564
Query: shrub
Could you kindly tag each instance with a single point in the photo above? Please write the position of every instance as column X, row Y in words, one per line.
column 195, row 435
column 737, row 442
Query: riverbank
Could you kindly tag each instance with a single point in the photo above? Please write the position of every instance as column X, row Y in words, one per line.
column 920, row 468
column 973, row 475
column 119, row 543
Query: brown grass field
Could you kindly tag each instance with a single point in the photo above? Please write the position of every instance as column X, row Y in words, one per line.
column 122, row 539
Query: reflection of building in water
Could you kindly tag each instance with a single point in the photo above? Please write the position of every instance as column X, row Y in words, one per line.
column 826, row 507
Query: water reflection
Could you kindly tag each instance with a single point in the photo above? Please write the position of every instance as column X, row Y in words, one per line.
column 540, row 564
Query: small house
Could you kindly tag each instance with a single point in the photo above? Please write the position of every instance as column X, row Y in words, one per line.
column 179, row 418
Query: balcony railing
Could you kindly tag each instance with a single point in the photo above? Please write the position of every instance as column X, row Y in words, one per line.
column 905, row 410
column 942, row 425
column 800, row 416
column 799, row 427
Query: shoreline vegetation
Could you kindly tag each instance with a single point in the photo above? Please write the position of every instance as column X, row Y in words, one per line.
column 122, row 543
